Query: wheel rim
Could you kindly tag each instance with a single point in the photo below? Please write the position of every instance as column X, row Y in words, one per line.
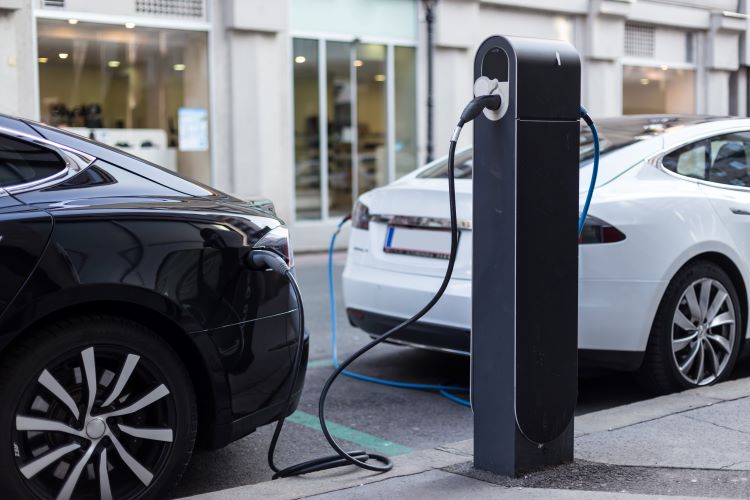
column 703, row 331
column 99, row 421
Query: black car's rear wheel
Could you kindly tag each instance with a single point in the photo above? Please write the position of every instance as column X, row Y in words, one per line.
column 696, row 336
column 96, row 407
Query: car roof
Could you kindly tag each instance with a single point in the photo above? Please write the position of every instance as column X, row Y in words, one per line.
column 657, row 123
column 654, row 131
column 115, row 156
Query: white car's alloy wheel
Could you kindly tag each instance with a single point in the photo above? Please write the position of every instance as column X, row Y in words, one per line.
column 695, row 338
column 703, row 331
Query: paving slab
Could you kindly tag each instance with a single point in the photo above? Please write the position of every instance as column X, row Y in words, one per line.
column 586, row 478
column 733, row 389
column 335, row 479
column 734, row 414
column 642, row 411
column 673, row 441
column 465, row 448
column 441, row 485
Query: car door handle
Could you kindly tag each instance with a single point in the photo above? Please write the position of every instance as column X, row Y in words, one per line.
column 739, row 211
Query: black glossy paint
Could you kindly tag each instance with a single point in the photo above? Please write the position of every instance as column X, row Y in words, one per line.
column 128, row 237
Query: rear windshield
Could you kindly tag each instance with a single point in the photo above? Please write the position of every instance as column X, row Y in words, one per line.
column 614, row 133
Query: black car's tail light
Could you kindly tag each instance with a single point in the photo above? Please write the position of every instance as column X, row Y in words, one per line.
column 597, row 231
column 361, row 216
column 277, row 240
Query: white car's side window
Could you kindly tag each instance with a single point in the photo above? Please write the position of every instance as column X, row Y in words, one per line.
column 729, row 154
column 689, row 160
column 722, row 159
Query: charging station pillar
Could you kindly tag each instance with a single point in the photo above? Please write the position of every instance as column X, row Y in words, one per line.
column 525, row 255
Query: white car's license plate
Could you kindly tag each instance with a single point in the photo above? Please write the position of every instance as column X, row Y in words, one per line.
column 433, row 243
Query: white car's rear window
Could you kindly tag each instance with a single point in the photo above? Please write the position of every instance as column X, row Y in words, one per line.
column 614, row 133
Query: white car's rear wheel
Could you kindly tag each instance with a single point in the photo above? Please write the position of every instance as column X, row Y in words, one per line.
column 695, row 338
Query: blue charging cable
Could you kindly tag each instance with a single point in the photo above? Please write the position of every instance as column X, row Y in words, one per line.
column 442, row 389
column 595, row 170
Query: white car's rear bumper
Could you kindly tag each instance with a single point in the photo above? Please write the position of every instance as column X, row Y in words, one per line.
column 401, row 295
column 398, row 295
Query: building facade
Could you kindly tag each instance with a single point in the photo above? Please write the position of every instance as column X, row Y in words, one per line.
column 312, row 102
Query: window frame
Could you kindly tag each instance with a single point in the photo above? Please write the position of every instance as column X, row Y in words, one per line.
column 658, row 159
column 75, row 162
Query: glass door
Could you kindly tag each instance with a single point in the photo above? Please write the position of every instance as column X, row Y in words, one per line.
column 372, row 158
column 355, row 121
column 341, row 133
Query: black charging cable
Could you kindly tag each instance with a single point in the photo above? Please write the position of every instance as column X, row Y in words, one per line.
column 267, row 259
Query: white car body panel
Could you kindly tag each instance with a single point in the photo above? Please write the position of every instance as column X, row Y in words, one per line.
column 667, row 219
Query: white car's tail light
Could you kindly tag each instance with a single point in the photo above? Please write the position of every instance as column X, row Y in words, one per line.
column 597, row 231
column 361, row 216
column 277, row 240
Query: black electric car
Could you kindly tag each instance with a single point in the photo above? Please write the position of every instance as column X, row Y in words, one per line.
column 131, row 327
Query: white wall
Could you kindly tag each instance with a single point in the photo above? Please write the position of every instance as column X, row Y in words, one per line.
column 260, row 123
column 17, row 60
column 392, row 19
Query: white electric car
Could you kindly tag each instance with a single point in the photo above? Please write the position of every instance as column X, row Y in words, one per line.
column 664, row 256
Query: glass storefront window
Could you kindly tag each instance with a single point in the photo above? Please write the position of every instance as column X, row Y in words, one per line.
column 405, row 67
column 647, row 90
column 372, row 168
column 144, row 90
column 306, row 129
column 355, row 100
column 340, row 131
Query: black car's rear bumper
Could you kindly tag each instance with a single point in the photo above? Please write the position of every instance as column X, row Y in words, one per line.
column 222, row 433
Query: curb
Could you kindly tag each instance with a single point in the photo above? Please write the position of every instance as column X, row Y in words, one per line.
column 339, row 479
column 461, row 452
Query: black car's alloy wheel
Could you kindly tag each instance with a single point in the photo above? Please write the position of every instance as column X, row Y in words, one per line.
column 109, row 415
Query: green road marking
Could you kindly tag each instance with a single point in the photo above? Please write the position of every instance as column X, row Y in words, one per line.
column 319, row 363
column 367, row 441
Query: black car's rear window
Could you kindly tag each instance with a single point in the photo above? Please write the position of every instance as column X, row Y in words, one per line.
column 614, row 133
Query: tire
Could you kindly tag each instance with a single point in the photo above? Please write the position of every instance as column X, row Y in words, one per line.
column 684, row 349
column 139, row 452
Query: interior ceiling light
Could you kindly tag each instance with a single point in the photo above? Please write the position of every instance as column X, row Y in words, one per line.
column 300, row 59
column 72, row 21
column 179, row 67
column 358, row 63
column 43, row 60
column 113, row 64
column 62, row 55
column 379, row 78
column 645, row 81
column 130, row 26
column 664, row 67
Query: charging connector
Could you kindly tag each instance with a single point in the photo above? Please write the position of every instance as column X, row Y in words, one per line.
column 492, row 102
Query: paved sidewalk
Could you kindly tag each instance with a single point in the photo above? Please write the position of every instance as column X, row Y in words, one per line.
column 694, row 444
